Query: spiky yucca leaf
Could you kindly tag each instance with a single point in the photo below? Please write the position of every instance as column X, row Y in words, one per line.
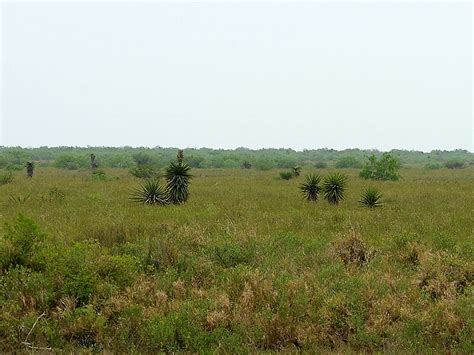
column 371, row 198
column 310, row 188
column 334, row 186
column 151, row 193
column 178, row 178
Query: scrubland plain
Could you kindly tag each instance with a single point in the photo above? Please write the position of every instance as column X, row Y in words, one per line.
column 246, row 265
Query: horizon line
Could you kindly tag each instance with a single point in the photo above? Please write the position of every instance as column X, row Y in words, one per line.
column 236, row 148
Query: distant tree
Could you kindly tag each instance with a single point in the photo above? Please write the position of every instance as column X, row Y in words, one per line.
column 142, row 159
column 321, row 165
column 432, row 165
column 454, row 164
column 70, row 162
column 348, row 162
column 384, row 168
column 143, row 166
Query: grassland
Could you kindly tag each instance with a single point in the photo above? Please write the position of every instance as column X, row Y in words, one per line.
column 245, row 265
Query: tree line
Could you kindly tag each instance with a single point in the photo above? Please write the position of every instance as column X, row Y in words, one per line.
column 15, row 158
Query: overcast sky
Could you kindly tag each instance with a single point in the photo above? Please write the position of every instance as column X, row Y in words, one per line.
column 225, row 75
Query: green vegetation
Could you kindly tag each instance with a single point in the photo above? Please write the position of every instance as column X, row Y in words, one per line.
column 454, row 164
column 384, row 168
column 143, row 168
column 334, row 187
column 348, row 162
column 433, row 166
column 286, row 175
column 311, row 188
column 76, row 158
column 371, row 198
column 151, row 193
column 177, row 182
column 6, row 178
column 296, row 170
column 244, row 266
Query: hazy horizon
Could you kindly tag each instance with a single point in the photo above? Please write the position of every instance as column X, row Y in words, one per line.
column 226, row 75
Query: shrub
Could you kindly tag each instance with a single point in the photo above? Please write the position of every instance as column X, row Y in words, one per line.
column 385, row 168
column 348, row 162
column 151, row 193
column 6, row 178
column 20, row 245
column 264, row 164
column 351, row 249
column 311, row 188
column 178, row 178
column 70, row 162
column 321, row 165
column 99, row 175
column 432, row 165
column 333, row 187
column 286, row 175
column 444, row 276
column 371, row 198
column 143, row 172
column 454, row 164
column 143, row 166
column 13, row 167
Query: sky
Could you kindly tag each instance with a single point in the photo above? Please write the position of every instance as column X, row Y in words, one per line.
column 392, row 75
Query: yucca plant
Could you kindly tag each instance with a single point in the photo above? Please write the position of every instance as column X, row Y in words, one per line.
column 310, row 189
column 334, row 186
column 178, row 179
column 151, row 193
column 30, row 167
column 371, row 198
column 6, row 178
column 297, row 170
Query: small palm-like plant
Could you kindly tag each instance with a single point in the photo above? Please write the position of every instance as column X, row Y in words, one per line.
column 178, row 179
column 296, row 170
column 30, row 166
column 6, row 178
column 334, row 186
column 151, row 193
column 311, row 188
column 370, row 198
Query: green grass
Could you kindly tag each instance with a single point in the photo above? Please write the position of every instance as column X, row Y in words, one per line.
column 244, row 265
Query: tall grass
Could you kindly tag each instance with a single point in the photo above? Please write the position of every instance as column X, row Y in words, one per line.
column 245, row 265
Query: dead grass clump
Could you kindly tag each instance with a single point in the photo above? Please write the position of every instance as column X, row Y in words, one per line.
column 352, row 250
column 444, row 276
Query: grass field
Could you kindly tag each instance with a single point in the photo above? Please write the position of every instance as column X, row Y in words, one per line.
column 245, row 265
